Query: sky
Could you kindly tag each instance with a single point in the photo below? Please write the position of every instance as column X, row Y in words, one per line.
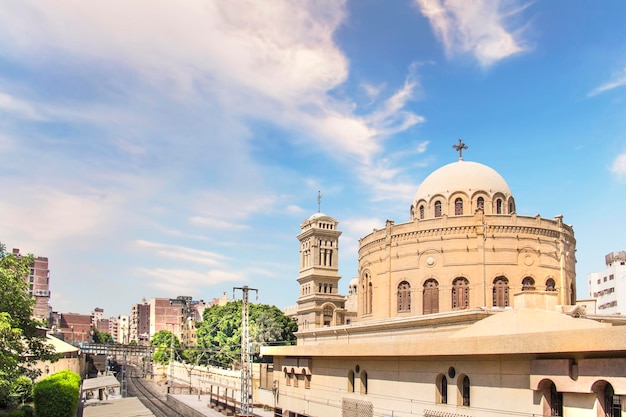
column 165, row 148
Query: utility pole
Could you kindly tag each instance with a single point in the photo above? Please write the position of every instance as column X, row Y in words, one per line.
column 246, row 362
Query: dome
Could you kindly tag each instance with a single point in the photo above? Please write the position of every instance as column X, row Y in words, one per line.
column 462, row 176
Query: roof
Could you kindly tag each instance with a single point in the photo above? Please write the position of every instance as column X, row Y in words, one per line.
column 526, row 320
column 464, row 176
column 514, row 332
column 101, row 382
column 60, row 346
column 124, row 407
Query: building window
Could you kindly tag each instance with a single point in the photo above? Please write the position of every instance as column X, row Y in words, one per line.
column 465, row 391
column 480, row 203
column 612, row 402
column 437, row 208
column 328, row 315
column 367, row 293
column 431, row 297
column 460, row 294
column 550, row 285
column 556, row 401
column 498, row 206
column 351, row 381
column 404, row 296
column 511, row 207
column 501, row 292
column 443, row 390
column 458, row 207
column 364, row 382
column 287, row 378
column 422, row 212
column 528, row 284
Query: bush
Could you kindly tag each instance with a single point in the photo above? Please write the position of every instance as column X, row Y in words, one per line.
column 15, row 413
column 28, row 410
column 21, row 390
column 57, row 395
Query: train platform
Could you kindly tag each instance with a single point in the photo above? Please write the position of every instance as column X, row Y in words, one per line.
column 201, row 405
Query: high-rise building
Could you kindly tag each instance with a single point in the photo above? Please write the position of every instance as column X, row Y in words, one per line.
column 123, row 329
column 139, row 325
column 38, row 281
column 608, row 287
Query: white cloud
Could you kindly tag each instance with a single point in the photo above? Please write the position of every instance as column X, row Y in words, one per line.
column 619, row 80
column 183, row 253
column 473, row 26
column 178, row 281
column 18, row 107
column 619, row 165
column 216, row 224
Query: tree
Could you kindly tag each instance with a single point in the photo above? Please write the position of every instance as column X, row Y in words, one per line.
column 101, row 337
column 163, row 342
column 21, row 340
column 220, row 331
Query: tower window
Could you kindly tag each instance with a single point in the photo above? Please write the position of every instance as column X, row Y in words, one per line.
column 498, row 206
column 480, row 203
column 421, row 212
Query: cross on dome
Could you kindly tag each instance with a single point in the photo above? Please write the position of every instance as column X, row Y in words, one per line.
column 459, row 148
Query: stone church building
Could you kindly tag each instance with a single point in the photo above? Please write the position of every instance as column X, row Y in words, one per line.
column 466, row 309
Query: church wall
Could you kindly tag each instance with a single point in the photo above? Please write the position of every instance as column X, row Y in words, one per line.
column 407, row 387
column 449, row 247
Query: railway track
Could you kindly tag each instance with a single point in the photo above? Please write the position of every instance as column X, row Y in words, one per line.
column 149, row 397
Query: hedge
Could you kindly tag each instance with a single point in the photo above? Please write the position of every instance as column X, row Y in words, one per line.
column 57, row 395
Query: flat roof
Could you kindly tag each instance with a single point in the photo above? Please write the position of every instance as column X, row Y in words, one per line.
column 124, row 407
column 101, row 382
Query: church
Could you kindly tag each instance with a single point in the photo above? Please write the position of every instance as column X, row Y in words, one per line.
column 466, row 309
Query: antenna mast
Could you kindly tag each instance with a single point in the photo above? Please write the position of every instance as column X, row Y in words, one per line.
column 246, row 362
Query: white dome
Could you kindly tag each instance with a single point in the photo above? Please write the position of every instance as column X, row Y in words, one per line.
column 463, row 176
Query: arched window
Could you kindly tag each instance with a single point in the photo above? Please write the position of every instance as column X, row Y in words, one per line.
column 498, row 206
column 443, row 390
column 328, row 315
column 363, row 382
column 612, row 403
column 458, row 207
column 422, row 212
column 528, row 284
column 460, row 294
column 501, row 292
column 350, row 380
column 511, row 207
column 550, row 285
column 480, row 203
column 367, row 293
column 287, row 377
column 556, row 401
column 404, row 296
column 437, row 208
column 465, row 391
column 431, row 297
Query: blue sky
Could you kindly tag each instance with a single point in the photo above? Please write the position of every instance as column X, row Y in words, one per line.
column 156, row 149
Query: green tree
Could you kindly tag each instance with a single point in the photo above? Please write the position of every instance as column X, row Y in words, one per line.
column 220, row 331
column 21, row 340
column 163, row 341
column 101, row 337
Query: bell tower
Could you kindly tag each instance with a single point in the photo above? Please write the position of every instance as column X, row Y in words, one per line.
column 319, row 302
